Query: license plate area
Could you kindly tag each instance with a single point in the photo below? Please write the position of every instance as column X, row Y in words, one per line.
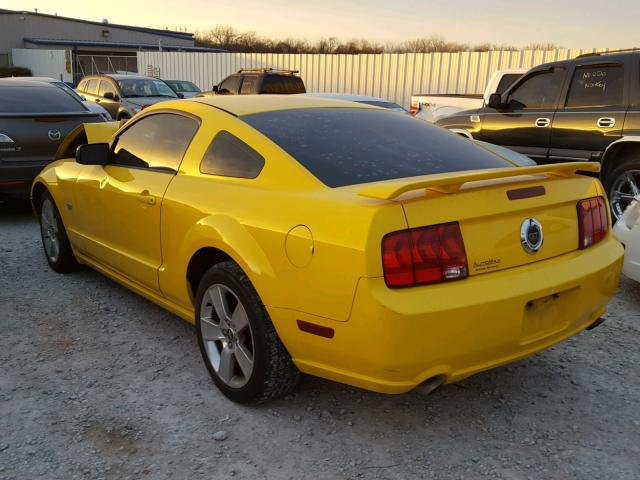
column 546, row 316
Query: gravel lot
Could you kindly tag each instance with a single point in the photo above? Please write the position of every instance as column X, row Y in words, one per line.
column 98, row 383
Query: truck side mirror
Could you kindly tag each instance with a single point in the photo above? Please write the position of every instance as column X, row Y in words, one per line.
column 93, row 154
column 495, row 101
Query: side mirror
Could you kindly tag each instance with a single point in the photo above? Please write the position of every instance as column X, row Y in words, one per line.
column 180, row 95
column 214, row 89
column 93, row 154
column 109, row 95
column 495, row 101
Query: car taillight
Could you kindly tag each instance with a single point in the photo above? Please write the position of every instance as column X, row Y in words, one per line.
column 593, row 221
column 424, row 255
column 413, row 109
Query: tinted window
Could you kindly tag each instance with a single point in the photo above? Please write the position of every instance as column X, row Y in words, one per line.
column 66, row 88
column 506, row 81
column 344, row 146
column 230, row 85
column 539, row 90
column 105, row 87
column 231, row 157
column 596, row 86
column 282, row 84
column 249, row 85
column 37, row 99
column 157, row 141
column 92, row 87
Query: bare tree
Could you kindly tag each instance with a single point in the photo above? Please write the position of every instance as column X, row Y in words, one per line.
column 228, row 38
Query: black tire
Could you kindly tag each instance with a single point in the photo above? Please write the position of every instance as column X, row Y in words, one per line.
column 613, row 177
column 62, row 260
column 274, row 374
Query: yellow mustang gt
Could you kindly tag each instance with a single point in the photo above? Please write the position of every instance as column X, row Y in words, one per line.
column 341, row 240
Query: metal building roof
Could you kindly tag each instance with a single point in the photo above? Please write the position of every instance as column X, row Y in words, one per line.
column 155, row 31
column 98, row 43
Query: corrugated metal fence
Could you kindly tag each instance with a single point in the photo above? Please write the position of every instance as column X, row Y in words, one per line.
column 391, row 76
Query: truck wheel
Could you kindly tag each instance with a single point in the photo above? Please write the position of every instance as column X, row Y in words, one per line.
column 239, row 345
column 622, row 185
column 56, row 244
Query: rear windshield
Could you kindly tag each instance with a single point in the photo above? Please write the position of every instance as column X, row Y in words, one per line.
column 346, row 146
column 282, row 84
column 383, row 104
column 37, row 99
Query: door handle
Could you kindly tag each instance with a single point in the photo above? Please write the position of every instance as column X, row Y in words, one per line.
column 606, row 122
column 97, row 100
column 542, row 122
column 146, row 198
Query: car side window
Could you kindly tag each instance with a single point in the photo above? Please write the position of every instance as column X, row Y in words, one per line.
column 506, row 81
column 539, row 90
column 156, row 141
column 596, row 86
column 230, row 86
column 106, row 86
column 92, row 87
column 229, row 156
column 249, row 85
column 82, row 85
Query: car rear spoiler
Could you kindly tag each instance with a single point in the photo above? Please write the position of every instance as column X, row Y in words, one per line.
column 452, row 182
column 95, row 133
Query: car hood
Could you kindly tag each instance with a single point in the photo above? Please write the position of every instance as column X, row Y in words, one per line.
column 142, row 101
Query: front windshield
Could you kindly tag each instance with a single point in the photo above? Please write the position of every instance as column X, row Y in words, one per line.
column 183, row 86
column 144, row 87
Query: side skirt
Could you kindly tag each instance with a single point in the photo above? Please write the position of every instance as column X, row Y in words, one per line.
column 183, row 313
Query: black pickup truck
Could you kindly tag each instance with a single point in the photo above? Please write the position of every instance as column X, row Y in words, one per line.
column 587, row 108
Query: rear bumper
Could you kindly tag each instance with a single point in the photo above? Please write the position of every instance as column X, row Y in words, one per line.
column 397, row 339
column 15, row 180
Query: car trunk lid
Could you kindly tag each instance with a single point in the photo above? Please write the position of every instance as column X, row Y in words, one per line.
column 36, row 137
column 494, row 208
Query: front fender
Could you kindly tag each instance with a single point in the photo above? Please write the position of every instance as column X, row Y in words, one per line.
column 57, row 178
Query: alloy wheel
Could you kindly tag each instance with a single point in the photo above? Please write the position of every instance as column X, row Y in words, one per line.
column 50, row 232
column 227, row 335
column 623, row 192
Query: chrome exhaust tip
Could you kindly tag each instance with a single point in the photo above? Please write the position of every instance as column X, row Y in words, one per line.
column 431, row 385
column 597, row 323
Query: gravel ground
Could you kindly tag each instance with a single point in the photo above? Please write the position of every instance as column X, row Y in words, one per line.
column 98, row 383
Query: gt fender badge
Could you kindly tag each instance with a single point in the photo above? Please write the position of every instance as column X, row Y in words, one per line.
column 531, row 236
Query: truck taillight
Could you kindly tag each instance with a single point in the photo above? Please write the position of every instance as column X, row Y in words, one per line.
column 413, row 109
column 424, row 255
column 593, row 221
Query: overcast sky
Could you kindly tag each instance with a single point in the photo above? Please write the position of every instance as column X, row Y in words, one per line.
column 569, row 23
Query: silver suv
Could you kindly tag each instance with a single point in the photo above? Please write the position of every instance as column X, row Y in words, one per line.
column 124, row 95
